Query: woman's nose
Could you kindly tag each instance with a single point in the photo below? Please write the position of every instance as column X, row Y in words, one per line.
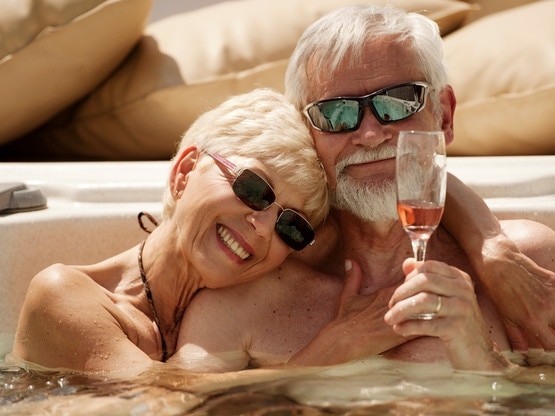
column 264, row 221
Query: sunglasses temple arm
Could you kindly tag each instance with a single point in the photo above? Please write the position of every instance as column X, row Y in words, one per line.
column 227, row 163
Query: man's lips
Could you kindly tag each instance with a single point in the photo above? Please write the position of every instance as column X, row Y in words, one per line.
column 378, row 167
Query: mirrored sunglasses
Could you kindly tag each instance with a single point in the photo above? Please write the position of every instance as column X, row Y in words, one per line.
column 391, row 104
column 251, row 189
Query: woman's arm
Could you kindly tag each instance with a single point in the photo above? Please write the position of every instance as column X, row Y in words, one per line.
column 358, row 329
column 212, row 332
column 67, row 322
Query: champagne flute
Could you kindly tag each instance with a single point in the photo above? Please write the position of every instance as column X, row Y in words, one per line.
column 421, row 179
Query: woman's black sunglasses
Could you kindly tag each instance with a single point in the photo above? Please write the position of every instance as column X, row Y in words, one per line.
column 391, row 104
column 257, row 194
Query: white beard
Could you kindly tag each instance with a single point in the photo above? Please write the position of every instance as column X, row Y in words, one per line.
column 372, row 202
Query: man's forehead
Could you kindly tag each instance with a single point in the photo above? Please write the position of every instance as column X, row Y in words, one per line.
column 377, row 66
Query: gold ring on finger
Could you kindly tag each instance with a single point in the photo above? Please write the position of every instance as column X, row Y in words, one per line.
column 439, row 304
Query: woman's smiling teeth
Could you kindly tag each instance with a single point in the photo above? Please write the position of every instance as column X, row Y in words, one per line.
column 232, row 243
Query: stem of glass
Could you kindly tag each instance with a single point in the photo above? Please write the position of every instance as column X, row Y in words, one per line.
column 419, row 248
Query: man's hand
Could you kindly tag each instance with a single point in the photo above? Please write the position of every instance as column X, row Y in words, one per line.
column 446, row 294
column 523, row 293
column 517, row 275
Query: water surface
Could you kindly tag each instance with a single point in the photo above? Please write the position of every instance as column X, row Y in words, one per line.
column 374, row 386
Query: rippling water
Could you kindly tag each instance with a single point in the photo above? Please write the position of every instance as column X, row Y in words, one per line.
column 367, row 387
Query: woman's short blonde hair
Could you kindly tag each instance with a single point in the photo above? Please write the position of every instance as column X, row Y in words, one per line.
column 263, row 125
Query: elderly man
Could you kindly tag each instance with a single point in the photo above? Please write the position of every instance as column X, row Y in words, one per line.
column 352, row 294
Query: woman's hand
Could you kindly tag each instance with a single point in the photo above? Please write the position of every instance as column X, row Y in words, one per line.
column 433, row 287
column 358, row 330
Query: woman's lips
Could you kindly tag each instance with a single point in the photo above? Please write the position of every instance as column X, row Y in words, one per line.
column 231, row 243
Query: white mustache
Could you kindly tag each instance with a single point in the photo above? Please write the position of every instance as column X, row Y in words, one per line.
column 366, row 156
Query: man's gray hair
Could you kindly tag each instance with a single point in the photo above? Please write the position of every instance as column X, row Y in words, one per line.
column 341, row 35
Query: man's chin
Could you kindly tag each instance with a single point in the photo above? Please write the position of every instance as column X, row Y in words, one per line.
column 372, row 198
column 373, row 217
column 376, row 204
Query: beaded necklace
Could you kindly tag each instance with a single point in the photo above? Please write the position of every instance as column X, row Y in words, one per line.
column 151, row 301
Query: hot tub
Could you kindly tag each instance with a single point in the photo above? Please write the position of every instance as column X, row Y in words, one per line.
column 92, row 214
column 93, row 206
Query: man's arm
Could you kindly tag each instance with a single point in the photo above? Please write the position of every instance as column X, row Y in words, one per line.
column 468, row 218
column 521, row 282
column 522, row 288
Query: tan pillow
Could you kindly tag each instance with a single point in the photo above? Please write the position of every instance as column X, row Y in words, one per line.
column 56, row 51
column 487, row 7
column 503, row 72
column 22, row 20
column 191, row 62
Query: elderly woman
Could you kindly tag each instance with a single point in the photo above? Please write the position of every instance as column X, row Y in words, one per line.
column 245, row 189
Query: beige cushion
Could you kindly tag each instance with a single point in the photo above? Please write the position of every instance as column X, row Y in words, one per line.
column 503, row 72
column 487, row 7
column 22, row 20
column 191, row 62
column 56, row 51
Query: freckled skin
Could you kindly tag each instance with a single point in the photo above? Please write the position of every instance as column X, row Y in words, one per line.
column 266, row 322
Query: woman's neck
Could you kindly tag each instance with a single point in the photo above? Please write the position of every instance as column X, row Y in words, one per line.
column 171, row 282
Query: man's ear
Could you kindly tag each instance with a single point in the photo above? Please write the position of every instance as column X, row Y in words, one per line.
column 183, row 164
column 447, row 102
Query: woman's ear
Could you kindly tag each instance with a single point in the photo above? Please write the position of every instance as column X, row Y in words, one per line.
column 183, row 164
column 448, row 102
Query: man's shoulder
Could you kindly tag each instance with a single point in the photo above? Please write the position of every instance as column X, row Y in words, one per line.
column 284, row 284
column 524, row 229
column 534, row 239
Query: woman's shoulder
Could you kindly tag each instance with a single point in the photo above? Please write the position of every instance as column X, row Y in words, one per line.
column 59, row 280
column 61, row 272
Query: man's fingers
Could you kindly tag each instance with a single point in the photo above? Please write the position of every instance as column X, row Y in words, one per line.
column 353, row 278
column 409, row 265
column 517, row 338
column 523, row 339
column 546, row 339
